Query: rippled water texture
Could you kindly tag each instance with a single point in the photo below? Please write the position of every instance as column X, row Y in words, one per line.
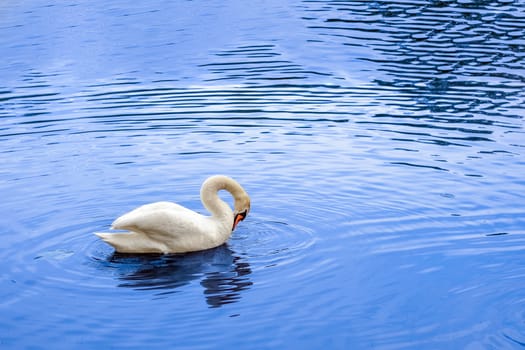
column 382, row 143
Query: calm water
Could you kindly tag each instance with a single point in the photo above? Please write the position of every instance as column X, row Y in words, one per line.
column 382, row 143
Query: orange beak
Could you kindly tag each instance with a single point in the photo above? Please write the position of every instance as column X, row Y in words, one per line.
column 238, row 218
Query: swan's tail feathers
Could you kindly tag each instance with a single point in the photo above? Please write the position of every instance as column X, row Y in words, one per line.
column 107, row 237
column 116, row 240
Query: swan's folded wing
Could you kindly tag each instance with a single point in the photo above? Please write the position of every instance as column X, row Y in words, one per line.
column 135, row 216
column 160, row 223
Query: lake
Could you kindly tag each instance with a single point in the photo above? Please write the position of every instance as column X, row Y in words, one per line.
column 382, row 144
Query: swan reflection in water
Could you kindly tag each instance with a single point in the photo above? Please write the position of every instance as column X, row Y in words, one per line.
column 223, row 274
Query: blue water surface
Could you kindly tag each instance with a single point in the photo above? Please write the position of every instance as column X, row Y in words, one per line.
column 382, row 144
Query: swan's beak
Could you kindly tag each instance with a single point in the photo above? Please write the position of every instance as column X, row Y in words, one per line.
column 238, row 218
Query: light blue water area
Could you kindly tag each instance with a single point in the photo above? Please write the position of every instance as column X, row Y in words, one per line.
column 382, row 144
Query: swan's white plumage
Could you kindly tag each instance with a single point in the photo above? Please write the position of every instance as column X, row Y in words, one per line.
column 166, row 227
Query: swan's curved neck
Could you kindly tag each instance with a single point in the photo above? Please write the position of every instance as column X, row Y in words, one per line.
column 210, row 198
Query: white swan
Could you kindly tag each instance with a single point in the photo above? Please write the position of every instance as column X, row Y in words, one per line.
column 166, row 227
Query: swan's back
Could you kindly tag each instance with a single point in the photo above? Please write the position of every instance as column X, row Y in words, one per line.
column 135, row 217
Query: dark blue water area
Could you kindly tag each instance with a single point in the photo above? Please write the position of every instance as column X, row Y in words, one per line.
column 382, row 144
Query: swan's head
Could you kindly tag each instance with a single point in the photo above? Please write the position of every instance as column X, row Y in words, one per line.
column 241, row 208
